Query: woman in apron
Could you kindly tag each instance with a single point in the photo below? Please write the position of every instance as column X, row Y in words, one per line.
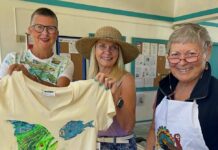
column 186, row 107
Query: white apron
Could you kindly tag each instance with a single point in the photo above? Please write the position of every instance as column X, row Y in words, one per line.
column 177, row 126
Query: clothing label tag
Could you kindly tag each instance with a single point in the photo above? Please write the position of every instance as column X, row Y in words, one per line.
column 48, row 93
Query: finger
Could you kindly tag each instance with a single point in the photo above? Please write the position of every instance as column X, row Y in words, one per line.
column 17, row 68
column 12, row 68
column 114, row 88
column 108, row 82
column 20, row 67
column 101, row 77
column 23, row 69
column 97, row 77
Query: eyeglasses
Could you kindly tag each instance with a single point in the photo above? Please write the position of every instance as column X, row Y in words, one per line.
column 175, row 57
column 40, row 28
column 104, row 47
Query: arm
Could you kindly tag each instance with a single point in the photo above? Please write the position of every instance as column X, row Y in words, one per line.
column 63, row 81
column 66, row 77
column 126, row 115
column 151, row 137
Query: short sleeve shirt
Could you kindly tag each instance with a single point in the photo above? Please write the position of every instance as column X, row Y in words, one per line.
column 48, row 70
column 35, row 116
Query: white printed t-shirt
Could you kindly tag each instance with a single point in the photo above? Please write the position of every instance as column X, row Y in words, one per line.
column 35, row 116
column 48, row 70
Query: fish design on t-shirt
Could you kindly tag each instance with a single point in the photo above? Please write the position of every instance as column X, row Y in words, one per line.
column 73, row 128
column 36, row 137
column 33, row 136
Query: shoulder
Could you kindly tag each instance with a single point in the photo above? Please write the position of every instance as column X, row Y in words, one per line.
column 127, row 79
column 208, row 114
column 214, row 81
column 212, row 91
column 210, row 103
column 12, row 54
column 11, row 57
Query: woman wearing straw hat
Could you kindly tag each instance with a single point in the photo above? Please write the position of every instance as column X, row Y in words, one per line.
column 108, row 54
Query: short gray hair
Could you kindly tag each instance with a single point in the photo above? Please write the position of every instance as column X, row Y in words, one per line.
column 43, row 12
column 190, row 33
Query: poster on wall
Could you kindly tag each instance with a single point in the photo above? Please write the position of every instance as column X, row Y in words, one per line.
column 151, row 65
column 67, row 44
column 145, row 65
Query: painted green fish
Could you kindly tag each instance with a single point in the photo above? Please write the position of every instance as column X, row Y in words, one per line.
column 33, row 136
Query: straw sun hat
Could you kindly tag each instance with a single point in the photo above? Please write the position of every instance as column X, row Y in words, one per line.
column 84, row 45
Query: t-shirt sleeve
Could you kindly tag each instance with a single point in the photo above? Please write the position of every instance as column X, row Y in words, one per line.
column 8, row 60
column 68, row 71
column 105, row 108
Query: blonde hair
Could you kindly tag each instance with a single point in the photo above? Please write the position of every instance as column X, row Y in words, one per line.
column 117, row 71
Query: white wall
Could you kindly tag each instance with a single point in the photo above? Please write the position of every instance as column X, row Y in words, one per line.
column 145, row 6
column 183, row 7
column 72, row 22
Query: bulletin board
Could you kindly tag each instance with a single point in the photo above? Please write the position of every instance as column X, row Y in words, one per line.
column 151, row 65
column 65, row 45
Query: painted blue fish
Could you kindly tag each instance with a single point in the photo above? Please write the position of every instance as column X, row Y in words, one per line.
column 21, row 127
column 73, row 128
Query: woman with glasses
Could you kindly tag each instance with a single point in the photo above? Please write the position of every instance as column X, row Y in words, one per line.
column 40, row 62
column 108, row 54
column 186, row 113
